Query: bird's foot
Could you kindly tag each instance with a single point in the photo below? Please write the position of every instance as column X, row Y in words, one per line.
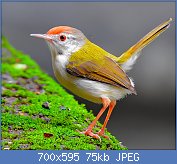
column 91, row 134
column 101, row 133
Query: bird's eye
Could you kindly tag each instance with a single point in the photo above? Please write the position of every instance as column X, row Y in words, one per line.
column 62, row 37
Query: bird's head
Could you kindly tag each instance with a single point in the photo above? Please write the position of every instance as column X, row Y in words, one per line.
column 63, row 40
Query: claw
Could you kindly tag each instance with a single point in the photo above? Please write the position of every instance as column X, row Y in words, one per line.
column 101, row 133
column 91, row 134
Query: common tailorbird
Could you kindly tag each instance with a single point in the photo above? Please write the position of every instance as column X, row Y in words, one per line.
column 92, row 73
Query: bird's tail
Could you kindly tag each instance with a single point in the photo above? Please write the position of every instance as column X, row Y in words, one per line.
column 128, row 58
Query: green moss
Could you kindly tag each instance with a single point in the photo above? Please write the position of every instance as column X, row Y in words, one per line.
column 25, row 120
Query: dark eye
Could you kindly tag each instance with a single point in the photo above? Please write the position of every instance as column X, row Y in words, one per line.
column 62, row 37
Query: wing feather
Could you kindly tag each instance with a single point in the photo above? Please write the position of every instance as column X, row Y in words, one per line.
column 108, row 72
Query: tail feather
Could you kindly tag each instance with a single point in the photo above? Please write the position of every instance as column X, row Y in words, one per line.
column 128, row 58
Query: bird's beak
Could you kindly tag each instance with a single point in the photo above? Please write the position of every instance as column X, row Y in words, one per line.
column 44, row 36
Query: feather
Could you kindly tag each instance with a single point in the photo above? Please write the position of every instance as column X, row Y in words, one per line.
column 109, row 73
column 128, row 58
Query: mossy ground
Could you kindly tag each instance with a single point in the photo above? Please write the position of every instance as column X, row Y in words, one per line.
column 37, row 113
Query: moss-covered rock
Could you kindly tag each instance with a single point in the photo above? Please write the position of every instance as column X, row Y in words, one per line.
column 37, row 113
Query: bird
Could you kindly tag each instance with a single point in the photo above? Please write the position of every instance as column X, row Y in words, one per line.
column 92, row 73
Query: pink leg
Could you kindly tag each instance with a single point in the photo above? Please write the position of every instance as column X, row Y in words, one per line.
column 111, row 107
column 88, row 131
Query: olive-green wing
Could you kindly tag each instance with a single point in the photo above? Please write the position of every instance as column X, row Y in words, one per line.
column 107, row 72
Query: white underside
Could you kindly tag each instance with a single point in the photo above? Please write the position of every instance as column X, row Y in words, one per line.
column 87, row 89
column 126, row 66
column 94, row 90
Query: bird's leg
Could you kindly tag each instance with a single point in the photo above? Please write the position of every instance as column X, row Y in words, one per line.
column 111, row 107
column 88, row 131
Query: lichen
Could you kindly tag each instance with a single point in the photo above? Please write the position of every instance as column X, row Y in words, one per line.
column 28, row 124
